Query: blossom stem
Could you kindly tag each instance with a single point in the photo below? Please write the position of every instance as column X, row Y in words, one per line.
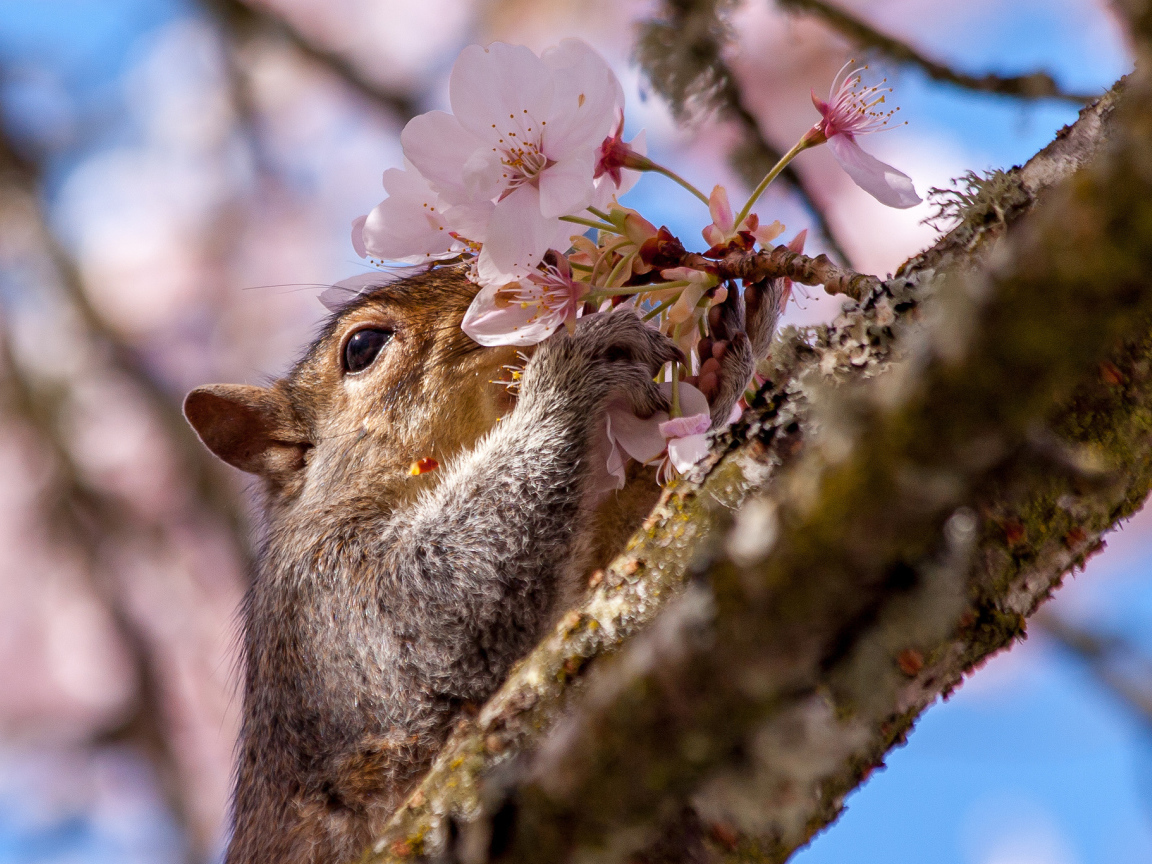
column 587, row 268
column 600, row 214
column 602, row 226
column 648, row 316
column 625, row 261
column 675, row 406
column 676, row 178
column 801, row 145
column 619, row 243
column 604, row 293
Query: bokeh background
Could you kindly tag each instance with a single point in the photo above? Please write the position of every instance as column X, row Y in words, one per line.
column 177, row 180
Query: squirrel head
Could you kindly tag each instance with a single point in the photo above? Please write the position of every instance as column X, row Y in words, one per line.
column 391, row 388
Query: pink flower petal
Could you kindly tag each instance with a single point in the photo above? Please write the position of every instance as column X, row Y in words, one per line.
column 586, row 99
column 692, row 401
column 566, row 187
column 358, row 236
column 493, row 320
column 607, row 465
column 720, row 210
column 440, row 147
column 882, row 182
column 499, row 90
column 680, row 427
column 640, row 439
column 470, row 220
column 518, row 236
column 409, row 225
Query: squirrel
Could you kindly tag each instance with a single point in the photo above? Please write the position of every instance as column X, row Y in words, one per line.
column 387, row 599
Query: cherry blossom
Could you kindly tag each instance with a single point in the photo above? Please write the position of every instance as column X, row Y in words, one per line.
column 410, row 225
column 682, row 440
column 528, row 310
column 848, row 113
column 619, row 164
column 724, row 228
column 524, row 136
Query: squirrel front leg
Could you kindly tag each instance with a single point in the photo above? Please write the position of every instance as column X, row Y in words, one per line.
column 478, row 562
column 741, row 333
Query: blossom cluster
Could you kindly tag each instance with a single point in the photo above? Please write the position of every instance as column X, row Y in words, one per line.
column 521, row 179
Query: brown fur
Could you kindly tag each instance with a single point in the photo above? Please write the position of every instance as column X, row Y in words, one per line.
column 383, row 603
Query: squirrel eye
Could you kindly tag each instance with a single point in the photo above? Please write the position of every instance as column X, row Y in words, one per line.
column 362, row 348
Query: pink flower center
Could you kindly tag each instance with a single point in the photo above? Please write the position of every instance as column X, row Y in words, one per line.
column 852, row 108
column 551, row 292
column 524, row 163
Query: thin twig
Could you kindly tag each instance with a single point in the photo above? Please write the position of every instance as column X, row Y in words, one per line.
column 1035, row 85
column 666, row 251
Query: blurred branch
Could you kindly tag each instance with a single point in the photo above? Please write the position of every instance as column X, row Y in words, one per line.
column 1103, row 655
column 18, row 176
column 682, row 55
column 100, row 523
column 1035, row 85
column 914, row 481
column 250, row 19
column 84, row 517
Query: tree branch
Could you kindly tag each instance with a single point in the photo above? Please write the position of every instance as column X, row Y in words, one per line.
column 1035, row 85
column 682, row 55
column 848, row 553
column 247, row 19
column 665, row 251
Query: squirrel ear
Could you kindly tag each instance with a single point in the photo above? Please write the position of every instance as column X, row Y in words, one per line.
column 251, row 428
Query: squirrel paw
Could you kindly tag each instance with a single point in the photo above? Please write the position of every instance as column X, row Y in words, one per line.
column 629, row 353
column 610, row 354
column 742, row 329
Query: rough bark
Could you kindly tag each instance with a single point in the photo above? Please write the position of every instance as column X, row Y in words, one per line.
column 915, row 481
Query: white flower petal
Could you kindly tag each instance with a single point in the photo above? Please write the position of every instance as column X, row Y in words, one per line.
column 518, row 236
column 499, row 90
column 409, row 224
column 566, row 188
column 881, row 181
column 640, row 439
column 492, row 320
column 439, row 147
column 687, row 451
